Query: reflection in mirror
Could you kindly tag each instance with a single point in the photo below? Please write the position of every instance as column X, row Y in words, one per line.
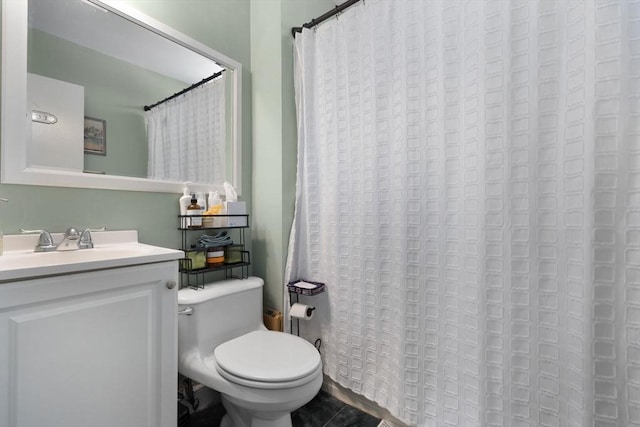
column 71, row 41
column 186, row 133
column 92, row 67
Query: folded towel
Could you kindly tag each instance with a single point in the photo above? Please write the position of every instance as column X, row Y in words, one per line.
column 220, row 239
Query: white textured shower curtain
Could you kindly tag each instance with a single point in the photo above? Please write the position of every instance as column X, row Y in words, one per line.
column 187, row 135
column 469, row 190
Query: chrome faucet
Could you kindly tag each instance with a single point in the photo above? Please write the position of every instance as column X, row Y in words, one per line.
column 80, row 240
column 71, row 241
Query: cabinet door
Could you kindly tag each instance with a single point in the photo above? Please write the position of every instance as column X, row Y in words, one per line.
column 90, row 349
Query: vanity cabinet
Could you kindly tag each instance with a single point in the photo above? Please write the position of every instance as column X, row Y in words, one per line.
column 94, row 348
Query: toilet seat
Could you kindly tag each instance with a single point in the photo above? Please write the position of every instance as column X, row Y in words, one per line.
column 268, row 360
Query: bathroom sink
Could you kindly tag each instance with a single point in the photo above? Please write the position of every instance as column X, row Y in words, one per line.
column 112, row 249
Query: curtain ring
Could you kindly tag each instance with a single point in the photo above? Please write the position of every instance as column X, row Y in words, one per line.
column 312, row 25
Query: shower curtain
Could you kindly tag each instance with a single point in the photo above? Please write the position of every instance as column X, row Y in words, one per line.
column 468, row 187
column 187, row 135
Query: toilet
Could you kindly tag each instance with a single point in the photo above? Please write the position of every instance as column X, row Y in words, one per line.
column 261, row 375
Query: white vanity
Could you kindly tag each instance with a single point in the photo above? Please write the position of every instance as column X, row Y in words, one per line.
column 88, row 337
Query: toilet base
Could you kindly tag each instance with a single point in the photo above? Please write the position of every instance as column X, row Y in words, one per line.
column 236, row 417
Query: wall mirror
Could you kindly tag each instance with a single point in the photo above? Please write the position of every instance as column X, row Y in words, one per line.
column 111, row 61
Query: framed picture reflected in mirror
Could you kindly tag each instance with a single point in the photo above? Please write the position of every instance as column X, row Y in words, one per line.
column 95, row 136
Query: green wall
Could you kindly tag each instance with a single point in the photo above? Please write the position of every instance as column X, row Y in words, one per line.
column 274, row 133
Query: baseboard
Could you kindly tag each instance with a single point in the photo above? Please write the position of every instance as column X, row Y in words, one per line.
column 385, row 423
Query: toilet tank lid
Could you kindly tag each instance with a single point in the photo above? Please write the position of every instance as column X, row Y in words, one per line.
column 189, row 296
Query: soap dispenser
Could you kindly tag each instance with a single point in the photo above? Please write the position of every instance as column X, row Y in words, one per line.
column 184, row 202
column 195, row 213
column 201, row 200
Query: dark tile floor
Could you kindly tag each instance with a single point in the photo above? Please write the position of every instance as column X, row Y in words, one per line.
column 323, row 411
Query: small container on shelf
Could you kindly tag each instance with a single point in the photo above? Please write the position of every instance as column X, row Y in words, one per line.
column 208, row 221
column 237, row 214
column 197, row 259
column 215, row 257
column 233, row 254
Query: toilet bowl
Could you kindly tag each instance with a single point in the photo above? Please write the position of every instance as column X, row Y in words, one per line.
column 262, row 375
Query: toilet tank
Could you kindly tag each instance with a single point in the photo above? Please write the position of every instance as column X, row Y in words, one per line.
column 221, row 311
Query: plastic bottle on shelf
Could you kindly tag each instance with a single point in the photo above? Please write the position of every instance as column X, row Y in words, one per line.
column 183, row 202
column 213, row 199
column 195, row 212
column 216, row 207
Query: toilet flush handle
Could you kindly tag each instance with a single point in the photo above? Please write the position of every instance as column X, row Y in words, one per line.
column 187, row 311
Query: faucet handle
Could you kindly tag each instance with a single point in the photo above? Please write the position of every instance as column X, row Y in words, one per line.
column 85, row 238
column 45, row 242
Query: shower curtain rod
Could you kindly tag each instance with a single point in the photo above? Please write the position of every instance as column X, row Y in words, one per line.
column 193, row 86
column 325, row 16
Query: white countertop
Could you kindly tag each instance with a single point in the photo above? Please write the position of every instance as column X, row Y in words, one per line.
column 111, row 249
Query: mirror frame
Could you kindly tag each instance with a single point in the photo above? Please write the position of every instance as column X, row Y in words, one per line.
column 15, row 117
